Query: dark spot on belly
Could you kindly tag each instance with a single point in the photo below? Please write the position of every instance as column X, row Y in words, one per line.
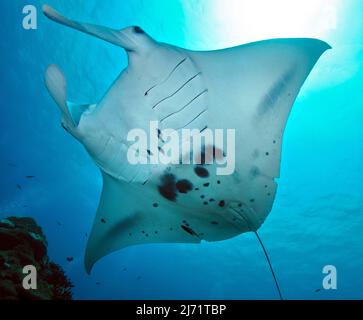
column 201, row 172
column 202, row 196
column 103, row 220
column 205, row 203
column 254, row 172
column 221, row 203
column 214, row 222
column 196, row 189
column 189, row 230
column 252, row 200
column 138, row 30
column 218, row 182
column 142, row 231
column 206, row 184
column 167, row 187
column 211, row 200
column 266, row 153
column 240, row 205
column 183, row 186
column 155, row 205
column 255, row 154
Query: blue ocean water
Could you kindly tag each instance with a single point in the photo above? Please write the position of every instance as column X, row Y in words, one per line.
column 317, row 215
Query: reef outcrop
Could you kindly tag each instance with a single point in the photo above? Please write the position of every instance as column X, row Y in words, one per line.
column 23, row 243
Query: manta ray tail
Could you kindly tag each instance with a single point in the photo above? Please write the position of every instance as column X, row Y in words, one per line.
column 269, row 263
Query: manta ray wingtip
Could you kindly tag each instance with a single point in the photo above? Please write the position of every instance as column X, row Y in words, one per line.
column 325, row 45
column 328, row 46
column 88, row 263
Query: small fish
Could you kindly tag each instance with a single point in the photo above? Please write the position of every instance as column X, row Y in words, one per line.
column 29, row 177
column 69, row 259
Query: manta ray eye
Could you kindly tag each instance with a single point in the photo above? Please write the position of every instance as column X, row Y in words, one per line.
column 138, row 30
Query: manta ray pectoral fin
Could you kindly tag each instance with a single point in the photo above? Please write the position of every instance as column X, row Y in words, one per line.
column 124, row 218
column 122, row 38
column 129, row 214
column 70, row 112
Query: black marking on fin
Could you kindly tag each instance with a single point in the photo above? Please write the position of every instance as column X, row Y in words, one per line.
column 189, row 230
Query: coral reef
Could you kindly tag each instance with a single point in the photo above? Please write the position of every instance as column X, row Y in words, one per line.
column 22, row 243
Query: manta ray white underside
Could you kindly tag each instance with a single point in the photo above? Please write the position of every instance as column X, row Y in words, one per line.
column 249, row 88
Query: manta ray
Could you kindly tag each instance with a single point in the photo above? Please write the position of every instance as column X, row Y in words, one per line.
column 249, row 88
